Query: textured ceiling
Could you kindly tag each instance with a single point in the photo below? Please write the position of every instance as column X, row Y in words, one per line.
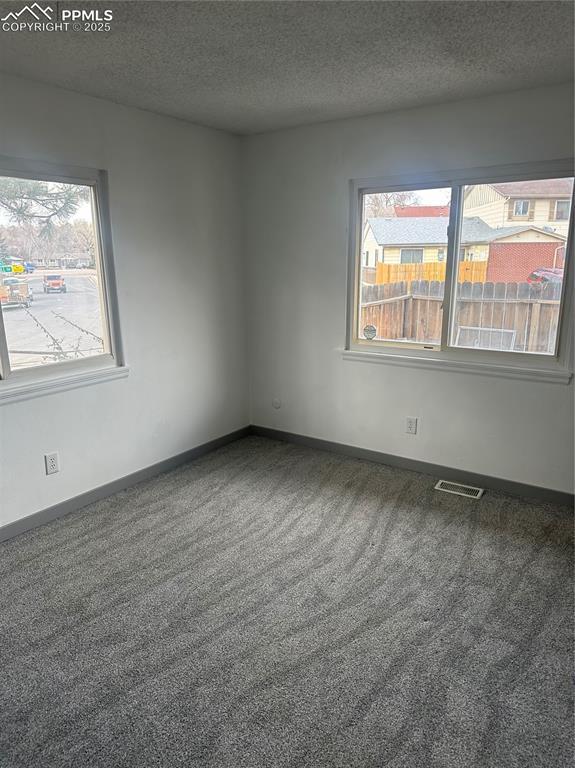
column 255, row 66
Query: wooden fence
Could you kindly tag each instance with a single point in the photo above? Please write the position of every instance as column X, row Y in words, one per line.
column 469, row 271
column 511, row 316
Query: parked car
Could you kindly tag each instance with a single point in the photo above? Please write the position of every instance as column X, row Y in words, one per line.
column 29, row 267
column 546, row 275
column 54, row 283
column 15, row 292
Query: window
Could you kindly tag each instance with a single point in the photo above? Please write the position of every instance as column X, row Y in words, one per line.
column 56, row 281
column 485, row 294
column 521, row 208
column 404, row 240
column 412, row 255
column 562, row 208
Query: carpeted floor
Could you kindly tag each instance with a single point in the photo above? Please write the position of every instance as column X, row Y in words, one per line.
column 271, row 605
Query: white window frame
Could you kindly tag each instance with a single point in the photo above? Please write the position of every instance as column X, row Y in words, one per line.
column 521, row 215
column 24, row 383
column 555, row 368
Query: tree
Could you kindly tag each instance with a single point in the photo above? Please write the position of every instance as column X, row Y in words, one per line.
column 4, row 250
column 42, row 203
column 381, row 203
column 85, row 239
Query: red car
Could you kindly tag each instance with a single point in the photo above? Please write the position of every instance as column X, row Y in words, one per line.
column 546, row 275
column 54, row 283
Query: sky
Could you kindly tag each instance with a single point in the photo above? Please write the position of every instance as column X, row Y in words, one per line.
column 434, row 196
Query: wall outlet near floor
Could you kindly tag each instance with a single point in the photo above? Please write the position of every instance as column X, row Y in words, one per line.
column 52, row 463
column 411, row 425
column 276, row 403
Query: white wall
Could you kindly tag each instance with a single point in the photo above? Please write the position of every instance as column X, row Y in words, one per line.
column 174, row 201
column 296, row 208
column 174, row 194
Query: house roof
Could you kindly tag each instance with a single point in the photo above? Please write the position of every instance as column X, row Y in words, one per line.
column 421, row 210
column 540, row 188
column 432, row 230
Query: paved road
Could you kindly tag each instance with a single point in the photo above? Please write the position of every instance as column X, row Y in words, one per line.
column 47, row 332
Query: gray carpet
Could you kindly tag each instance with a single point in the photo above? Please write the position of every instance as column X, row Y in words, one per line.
column 271, row 605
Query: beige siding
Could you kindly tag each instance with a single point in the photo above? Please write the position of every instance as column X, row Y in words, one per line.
column 476, row 252
column 482, row 194
column 392, row 256
column 530, row 236
column 495, row 213
column 371, row 246
column 541, row 217
column 492, row 213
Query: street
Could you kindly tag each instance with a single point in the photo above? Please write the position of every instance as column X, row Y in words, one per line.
column 57, row 326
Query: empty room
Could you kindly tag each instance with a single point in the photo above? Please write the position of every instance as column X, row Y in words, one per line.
column 286, row 384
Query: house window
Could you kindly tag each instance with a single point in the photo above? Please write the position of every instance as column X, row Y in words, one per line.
column 505, row 301
column 521, row 208
column 411, row 255
column 57, row 305
column 562, row 208
column 441, row 254
column 366, row 262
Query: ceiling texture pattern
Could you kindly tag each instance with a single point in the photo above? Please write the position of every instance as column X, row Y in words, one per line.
column 249, row 67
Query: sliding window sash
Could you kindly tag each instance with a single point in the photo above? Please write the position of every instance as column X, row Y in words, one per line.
column 4, row 358
column 452, row 263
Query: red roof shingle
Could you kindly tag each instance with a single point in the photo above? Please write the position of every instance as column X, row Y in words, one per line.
column 421, row 210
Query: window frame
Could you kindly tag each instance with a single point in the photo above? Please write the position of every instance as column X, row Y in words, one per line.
column 521, row 215
column 110, row 363
column 562, row 200
column 523, row 365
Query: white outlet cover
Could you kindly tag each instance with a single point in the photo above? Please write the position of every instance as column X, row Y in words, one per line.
column 52, row 463
column 276, row 403
column 411, row 425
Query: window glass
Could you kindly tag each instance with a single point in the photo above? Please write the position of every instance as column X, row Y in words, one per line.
column 562, row 210
column 401, row 295
column 521, row 208
column 414, row 255
column 51, row 290
column 510, row 300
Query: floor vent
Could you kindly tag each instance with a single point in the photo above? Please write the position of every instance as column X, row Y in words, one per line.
column 459, row 489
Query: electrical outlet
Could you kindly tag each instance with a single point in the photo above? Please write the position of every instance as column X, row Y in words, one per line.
column 52, row 463
column 411, row 425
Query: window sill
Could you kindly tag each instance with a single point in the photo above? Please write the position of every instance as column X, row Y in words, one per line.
column 17, row 389
column 546, row 375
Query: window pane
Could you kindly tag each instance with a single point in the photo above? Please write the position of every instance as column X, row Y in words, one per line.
column 51, row 292
column 562, row 210
column 401, row 294
column 513, row 302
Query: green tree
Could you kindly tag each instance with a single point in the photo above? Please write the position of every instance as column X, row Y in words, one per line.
column 43, row 203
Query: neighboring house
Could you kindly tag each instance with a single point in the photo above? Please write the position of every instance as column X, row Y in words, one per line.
column 511, row 253
column 544, row 203
column 404, row 241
